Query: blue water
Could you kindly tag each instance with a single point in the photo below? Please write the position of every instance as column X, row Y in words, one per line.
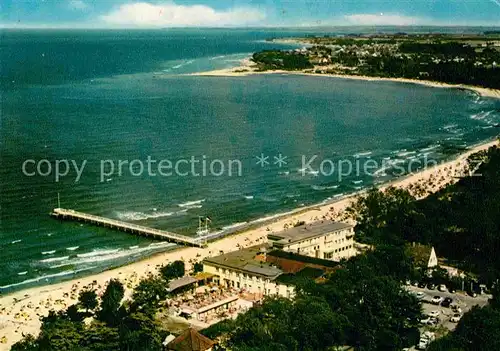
column 115, row 95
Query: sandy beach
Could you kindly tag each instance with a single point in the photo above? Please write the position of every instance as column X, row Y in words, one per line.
column 247, row 68
column 20, row 311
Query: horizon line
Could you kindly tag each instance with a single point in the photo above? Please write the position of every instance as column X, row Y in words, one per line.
column 259, row 27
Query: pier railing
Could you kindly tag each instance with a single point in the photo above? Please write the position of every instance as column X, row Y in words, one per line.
column 126, row 227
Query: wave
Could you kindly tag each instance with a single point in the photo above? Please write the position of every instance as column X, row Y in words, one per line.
column 216, row 57
column 268, row 199
column 449, row 126
column 363, row 154
column 73, row 248
column 16, row 241
column 271, row 217
column 46, row 277
column 381, row 171
column 97, row 252
column 406, row 153
column 183, row 64
column 191, row 203
column 481, row 115
column 248, row 197
column 430, row 148
column 54, row 259
column 235, row 225
column 140, row 216
column 113, row 255
column 22, row 273
column 48, row 252
column 357, row 181
column 160, row 244
column 306, row 171
column 324, row 187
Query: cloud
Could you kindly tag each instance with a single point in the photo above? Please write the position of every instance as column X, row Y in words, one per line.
column 169, row 14
column 77, row 5
column 383, row 19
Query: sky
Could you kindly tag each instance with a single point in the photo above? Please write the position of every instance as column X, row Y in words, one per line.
column 244, row 13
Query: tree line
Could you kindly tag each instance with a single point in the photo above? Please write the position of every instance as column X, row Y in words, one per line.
column 115, row 323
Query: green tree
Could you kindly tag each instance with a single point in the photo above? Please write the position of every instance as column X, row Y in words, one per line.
column 87, row 299
column 198, row 267
column 100, row 337
column 479, row 329
column 28, row 343
column 111, row 302
column 381, row 215
column 73, row 313
column 173, row 270
column 59, row 333
column 148, row 293
column 139, row 332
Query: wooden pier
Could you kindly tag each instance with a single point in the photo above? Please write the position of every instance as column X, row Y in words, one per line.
column 66, row 214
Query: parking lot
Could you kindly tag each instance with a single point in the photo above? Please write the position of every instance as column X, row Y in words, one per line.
column 462, row 300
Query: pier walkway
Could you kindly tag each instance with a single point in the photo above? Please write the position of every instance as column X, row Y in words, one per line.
column 126, row 227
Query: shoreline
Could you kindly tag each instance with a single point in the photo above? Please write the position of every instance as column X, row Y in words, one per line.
column 60, row 295
column 248, row 69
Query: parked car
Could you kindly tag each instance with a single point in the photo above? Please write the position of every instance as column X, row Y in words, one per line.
column 421, row 285
column 447, row 302
column 456, row 308
column 436, row 300
column 452, row 290
column 434, row 313
column 431, row 286
column 456, row 318
column 420, row 295
column 426, row 320
column 442, row 288
column 433, row 321
column 425, row 339
column 472, row 293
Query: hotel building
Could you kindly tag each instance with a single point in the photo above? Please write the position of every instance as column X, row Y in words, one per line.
column 247, row 269
column 325, row 239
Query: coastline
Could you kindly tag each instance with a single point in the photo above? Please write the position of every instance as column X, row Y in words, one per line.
column 246, row 69
column 18, row 317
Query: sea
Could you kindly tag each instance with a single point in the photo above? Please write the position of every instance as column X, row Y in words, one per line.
column 133, row 136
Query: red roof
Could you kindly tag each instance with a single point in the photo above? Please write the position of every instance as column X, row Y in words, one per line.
column 190, row 340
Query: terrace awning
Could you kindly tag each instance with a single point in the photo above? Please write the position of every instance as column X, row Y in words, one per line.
column 181, row 282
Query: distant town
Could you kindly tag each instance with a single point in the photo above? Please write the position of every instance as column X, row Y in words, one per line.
column 457, row 59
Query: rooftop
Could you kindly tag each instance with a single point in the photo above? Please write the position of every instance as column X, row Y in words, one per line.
column 190, row 340
column 307, row 231
column 181, row 282
column 250, row 260
column 304, row 259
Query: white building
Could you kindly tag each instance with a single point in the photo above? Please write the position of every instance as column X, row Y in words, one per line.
column 247, row 269
column 325, row 239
